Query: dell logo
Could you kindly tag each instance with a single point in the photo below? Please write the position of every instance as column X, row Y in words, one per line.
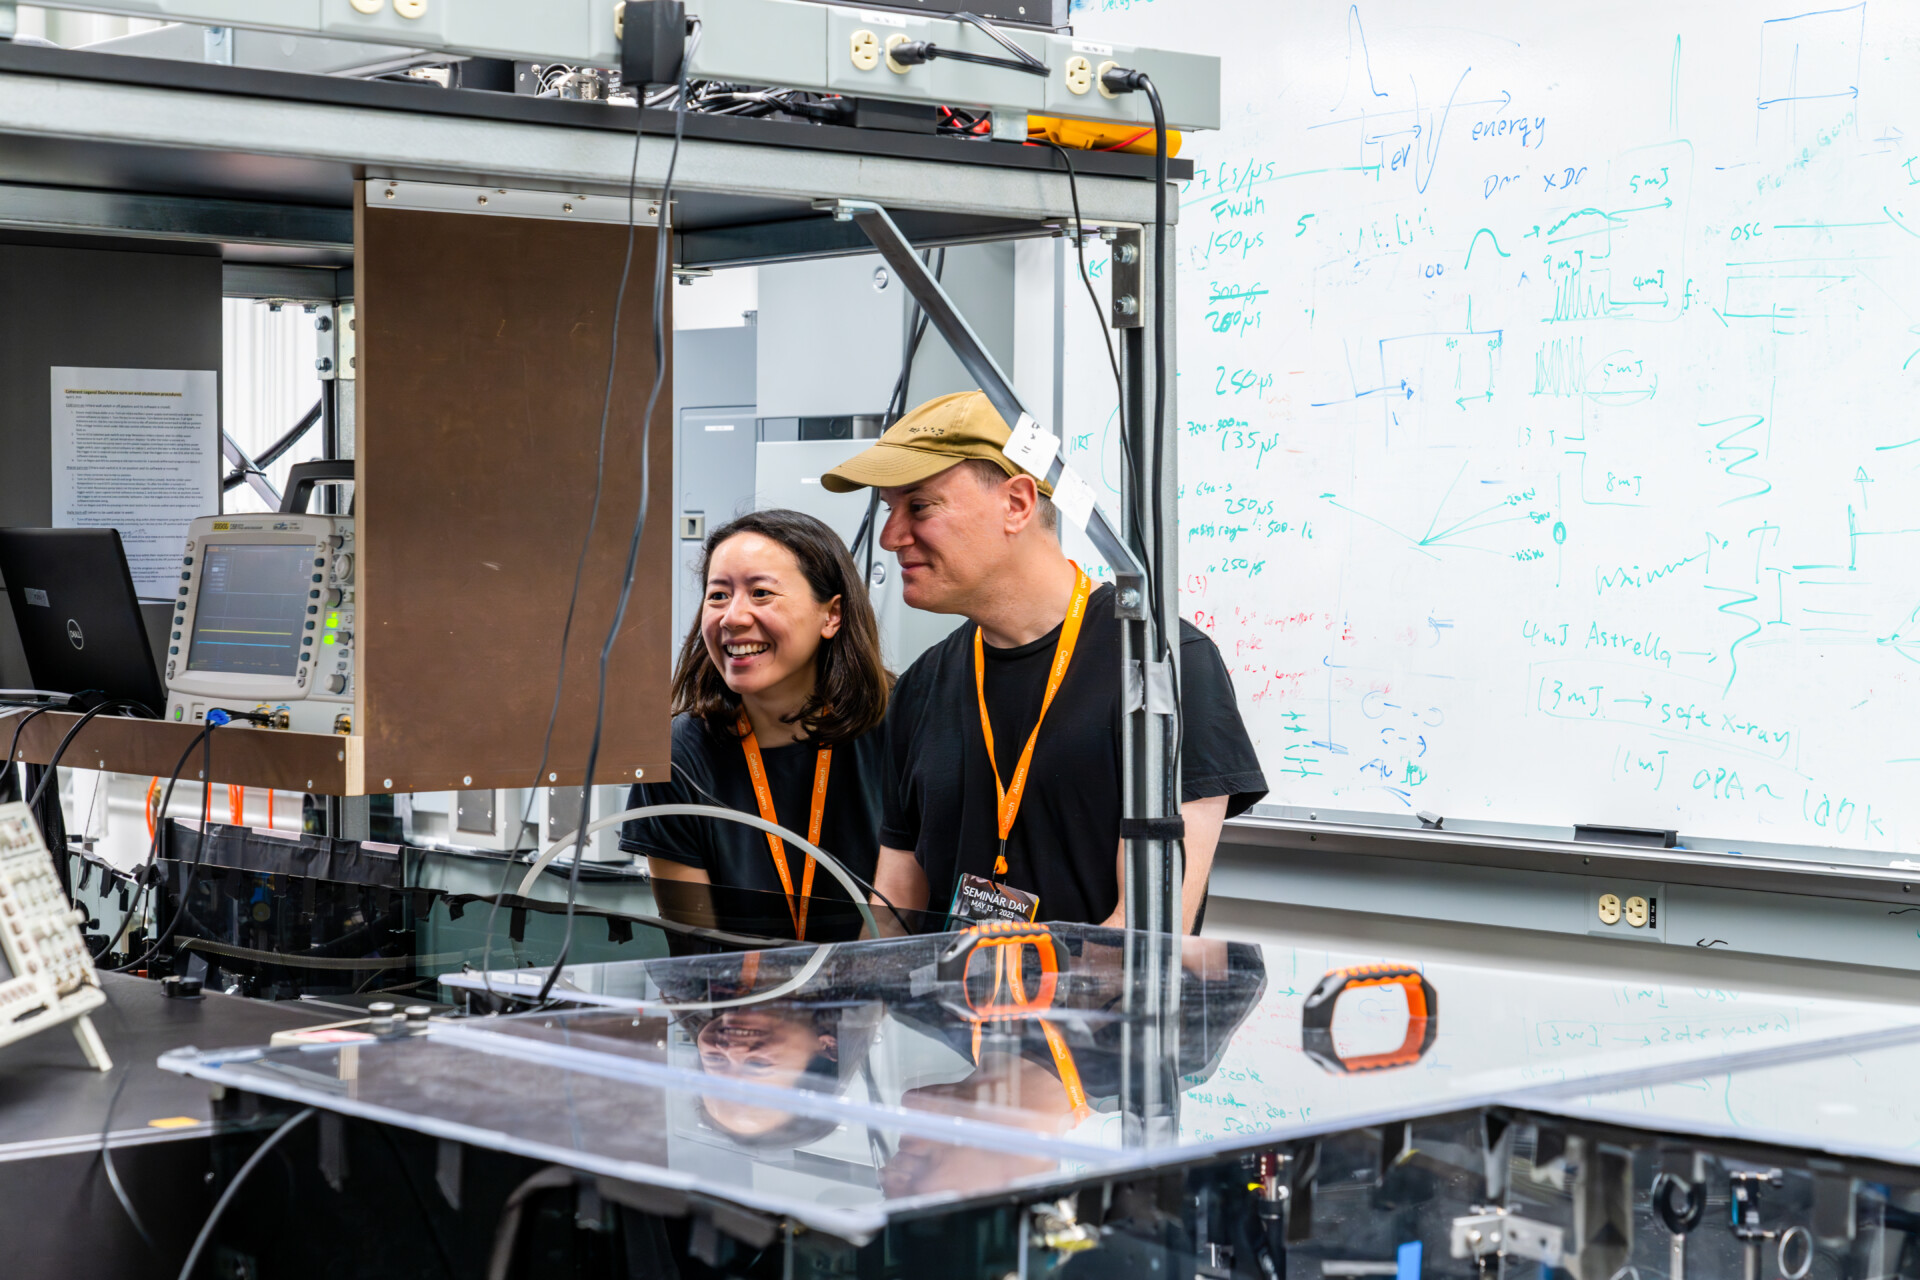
column 73, row 634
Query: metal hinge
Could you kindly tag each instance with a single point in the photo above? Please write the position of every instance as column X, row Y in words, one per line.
column 1498, row 1233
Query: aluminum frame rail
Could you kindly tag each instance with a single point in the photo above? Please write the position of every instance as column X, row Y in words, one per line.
column 797, row 44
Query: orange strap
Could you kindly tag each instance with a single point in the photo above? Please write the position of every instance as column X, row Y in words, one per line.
column 1010, row 796
column 763, row 795
column 1015, row 984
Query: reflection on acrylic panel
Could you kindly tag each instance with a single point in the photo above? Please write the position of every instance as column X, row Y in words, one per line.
column 1546, row 444
column 1849, row 1103
column 1501, row 1033
column 1260, row 1042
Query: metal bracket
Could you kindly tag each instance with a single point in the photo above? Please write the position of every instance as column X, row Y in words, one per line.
column 1129, row 261
column 1498, row 1233
column 900, row 257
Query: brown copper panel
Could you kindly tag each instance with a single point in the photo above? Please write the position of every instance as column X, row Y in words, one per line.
column 482, row 345
column 315, row 762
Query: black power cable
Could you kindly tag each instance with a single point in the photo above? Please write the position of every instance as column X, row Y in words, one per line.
column 661, row 269
column 113, row 1174
column 235, row 478
column 233, row 1188
column 1148, row 552
column 153, row 850
column 1124, row 80
column 868, row 533
column 1132, row 479
column 914, row 52
column 52, row 765
column 204, row 740
column 19, row 726
column 593, row 520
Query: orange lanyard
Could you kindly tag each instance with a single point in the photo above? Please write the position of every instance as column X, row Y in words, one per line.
column 1063, row 1060
column 763, row 794
column 1010, row 796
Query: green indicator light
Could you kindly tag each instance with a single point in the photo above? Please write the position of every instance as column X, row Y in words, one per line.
column 333, row 619
column 327, row 638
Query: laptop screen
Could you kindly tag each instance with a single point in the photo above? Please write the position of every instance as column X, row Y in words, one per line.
column 253, row 602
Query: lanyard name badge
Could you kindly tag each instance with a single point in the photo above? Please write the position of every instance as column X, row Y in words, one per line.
column 977, row 897
column 763, row 796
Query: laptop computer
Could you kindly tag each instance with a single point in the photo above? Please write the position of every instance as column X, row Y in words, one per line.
column 79, row 619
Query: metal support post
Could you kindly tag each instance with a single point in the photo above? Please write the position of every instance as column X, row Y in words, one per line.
column 347, row 817
column 1150, row 773
column 330, row 440
column 1150, row 764
column 1150, row 768
column 1150, row 784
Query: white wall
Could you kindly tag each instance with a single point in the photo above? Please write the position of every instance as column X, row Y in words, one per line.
column 75, row 29
column 718, row 301
column 269, row 383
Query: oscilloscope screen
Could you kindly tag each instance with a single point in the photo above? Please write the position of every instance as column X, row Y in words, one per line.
column 252, row 609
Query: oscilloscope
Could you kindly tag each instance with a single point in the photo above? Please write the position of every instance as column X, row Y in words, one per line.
column 263, row 620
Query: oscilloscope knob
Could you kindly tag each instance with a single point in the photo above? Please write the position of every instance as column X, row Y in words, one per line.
column 336, row 684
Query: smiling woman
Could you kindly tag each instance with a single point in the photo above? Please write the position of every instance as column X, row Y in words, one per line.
column 778, row 696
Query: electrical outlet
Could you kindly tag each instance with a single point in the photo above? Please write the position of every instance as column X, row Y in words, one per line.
column 1624, row 908
column 866, row 49
column 894, row 42
column 1079, row 74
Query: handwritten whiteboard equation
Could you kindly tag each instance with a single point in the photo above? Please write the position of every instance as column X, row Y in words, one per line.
column 1595, row 341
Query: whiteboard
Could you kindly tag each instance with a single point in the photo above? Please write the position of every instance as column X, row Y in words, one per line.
column 1548, row 440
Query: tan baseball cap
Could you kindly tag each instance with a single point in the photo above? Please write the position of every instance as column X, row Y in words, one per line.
column 931, row 438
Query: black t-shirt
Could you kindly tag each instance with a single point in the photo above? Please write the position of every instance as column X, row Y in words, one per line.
column 941, row 801
column 711, row 768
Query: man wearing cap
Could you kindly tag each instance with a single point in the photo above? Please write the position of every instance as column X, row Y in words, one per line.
column 1003, row 796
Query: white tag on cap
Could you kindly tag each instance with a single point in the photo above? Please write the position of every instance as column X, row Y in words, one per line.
column 1031, row 446
column 1074, row 497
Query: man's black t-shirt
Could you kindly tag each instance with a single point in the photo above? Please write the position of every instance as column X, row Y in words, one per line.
column 711, row 768
column 940, row 799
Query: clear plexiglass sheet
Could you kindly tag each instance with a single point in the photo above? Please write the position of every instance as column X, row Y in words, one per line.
column 949, row 1067
column 1859, row 1102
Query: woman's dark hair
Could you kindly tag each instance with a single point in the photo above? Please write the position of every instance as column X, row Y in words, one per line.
column 850, row 681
